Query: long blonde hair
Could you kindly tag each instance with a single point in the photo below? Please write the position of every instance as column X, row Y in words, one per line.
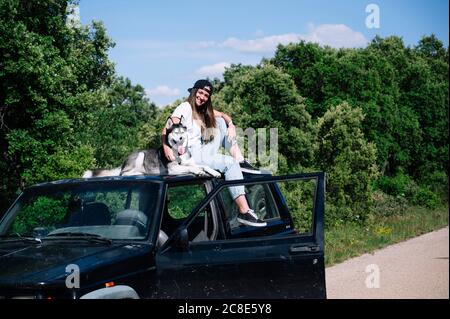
column 203, row 115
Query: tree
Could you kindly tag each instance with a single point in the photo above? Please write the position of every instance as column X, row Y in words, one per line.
column 432, row 47
column 403, row 93
column 425, row 90
column 265, row 97
column 348, row 159
column 298, row 60
column 118, row 121
column 51, row 75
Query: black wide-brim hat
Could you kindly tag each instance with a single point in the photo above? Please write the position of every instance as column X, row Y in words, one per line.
column 204, row 85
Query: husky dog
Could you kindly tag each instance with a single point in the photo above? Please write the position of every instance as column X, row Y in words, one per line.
column 153, row 161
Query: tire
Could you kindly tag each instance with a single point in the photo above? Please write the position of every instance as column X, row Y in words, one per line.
column 257, row 201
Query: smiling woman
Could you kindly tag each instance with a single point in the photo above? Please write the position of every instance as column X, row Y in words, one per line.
column 208, row 132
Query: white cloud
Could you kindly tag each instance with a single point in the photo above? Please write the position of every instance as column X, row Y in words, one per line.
column 212, row 70
column 162, row 90
column 266, row 44
column 201, row 45
column 334, row 35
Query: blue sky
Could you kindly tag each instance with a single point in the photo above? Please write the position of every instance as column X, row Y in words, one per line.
column 165, row 45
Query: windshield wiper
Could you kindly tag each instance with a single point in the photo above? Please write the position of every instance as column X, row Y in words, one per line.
column 18, row 237
column 80, row 235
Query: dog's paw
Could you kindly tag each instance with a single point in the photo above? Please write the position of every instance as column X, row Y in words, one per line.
column 216, row 174
column 199, row 172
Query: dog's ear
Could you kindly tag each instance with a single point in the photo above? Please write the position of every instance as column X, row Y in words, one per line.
column 182, row 120
column 169, row 122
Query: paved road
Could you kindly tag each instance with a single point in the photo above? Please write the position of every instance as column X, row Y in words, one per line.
column 417, row 268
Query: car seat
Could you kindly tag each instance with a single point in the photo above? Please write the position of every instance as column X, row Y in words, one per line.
column 96, row 214
column 137, row 218
column 132, row 217
column 89, row 214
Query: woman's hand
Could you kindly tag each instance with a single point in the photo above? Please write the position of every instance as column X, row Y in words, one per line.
column 231, row 132
column 168, row 153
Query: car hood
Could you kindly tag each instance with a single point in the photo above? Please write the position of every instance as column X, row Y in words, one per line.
column 29, row 265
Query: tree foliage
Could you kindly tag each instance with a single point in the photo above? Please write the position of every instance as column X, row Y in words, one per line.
column 117, row 121
column 348, row 159
column 58, row 90
column 402, row 91
column 265, row 97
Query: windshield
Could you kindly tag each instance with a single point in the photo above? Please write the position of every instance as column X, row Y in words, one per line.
column 112, row 210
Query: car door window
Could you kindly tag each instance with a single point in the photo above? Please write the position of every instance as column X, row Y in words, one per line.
column 300, row 197
column 259, row 198
column 204, row 226
column 181, row 199
column 286, row 207
column 180, row 202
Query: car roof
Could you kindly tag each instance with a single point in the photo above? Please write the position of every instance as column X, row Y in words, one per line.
column 170, row 179
column 147, row 178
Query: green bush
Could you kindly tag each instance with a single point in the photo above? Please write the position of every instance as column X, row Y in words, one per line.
column 425, row 197
column 401, row 189
column 437, row 182
column 338, row 214
column 299, row 197
column 393, row 185
column 349, row 161
column 387, row 205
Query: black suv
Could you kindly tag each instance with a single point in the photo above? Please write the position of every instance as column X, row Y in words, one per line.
column 164, row 237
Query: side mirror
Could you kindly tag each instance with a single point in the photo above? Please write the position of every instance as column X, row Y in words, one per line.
column 182, row 239
column 40, row 232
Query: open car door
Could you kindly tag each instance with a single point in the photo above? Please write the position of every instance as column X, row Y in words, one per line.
column 276, row 261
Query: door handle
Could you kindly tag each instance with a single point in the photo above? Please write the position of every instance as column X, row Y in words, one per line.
column 295, row 249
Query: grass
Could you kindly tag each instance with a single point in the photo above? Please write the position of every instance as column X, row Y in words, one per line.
column 352, row 240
